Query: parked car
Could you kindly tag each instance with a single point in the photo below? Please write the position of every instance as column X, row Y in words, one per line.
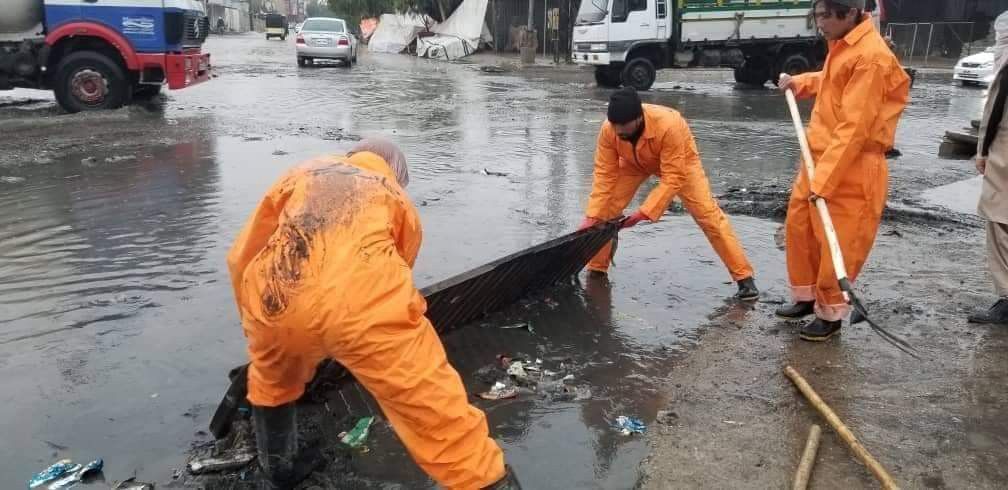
column 976, row 69
column 326, row 38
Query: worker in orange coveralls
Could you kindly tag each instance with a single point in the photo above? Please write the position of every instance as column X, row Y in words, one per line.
column 638, row 141
column 860, row 95
column 322, row 269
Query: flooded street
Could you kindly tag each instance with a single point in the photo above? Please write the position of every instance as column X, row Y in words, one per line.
column 118, row 326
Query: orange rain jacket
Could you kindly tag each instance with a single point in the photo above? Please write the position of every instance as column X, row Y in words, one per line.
column 321, row 270
column 860, row 94
column 665, row 149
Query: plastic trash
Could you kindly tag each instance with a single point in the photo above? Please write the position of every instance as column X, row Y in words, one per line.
column 359, row 434
column 55, row 471
column 517, row 369
column 519, row 326
column 132, row 484
column 73, row 478
column 629, row 425
column 228, row 461
column 500, row 391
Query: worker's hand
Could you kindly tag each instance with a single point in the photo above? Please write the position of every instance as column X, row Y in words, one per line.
column 981, row 165
column 784, row 82
column 633, row 219
column 587, row 223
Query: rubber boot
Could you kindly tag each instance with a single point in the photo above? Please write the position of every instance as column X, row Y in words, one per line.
column 800, row 309
column 996, row 315
column 820, row 330
column 747, row 290
column 276, row 441
column 509, row 482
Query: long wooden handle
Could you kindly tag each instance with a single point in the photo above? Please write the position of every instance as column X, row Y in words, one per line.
column 801, row 477
column 855, row 446
column 809, row 166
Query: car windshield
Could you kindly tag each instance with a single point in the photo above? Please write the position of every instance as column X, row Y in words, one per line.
column 591, row 12
column 323, row 25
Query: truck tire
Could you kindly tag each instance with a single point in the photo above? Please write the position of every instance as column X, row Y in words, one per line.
column 639, row 73
column 607, row 76
column 792, row 64
column 146, row 92
column 752, row 73
column 89, row 80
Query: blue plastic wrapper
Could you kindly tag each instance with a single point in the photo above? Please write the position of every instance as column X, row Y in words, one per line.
column 629, row 425
column 56, row 470
column 72, row 478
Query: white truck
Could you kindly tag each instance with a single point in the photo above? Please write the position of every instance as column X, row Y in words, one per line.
column 100, row 54
column 629, row 40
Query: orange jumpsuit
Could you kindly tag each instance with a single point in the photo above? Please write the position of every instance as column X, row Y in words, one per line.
column 666, row 149
column 860, row 94
column 321, row 270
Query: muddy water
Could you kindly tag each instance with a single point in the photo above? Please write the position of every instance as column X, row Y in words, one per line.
column 116, row 320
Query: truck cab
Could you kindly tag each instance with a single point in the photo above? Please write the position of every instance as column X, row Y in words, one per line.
column 627, row 41
column 100, row 54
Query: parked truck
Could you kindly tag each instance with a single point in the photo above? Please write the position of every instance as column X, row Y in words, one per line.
column 100, row 54
column 629, row 40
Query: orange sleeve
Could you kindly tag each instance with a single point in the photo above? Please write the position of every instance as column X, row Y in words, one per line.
column 257, row 231
column 408, row 232
column 677, row 144
column 606, row 173
column 859, row 108
column 807, row 85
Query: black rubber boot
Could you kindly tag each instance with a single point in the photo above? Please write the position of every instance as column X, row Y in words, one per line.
column 801, row 309
column 996, row 315
column 820, row 330
column 276, row 441
column 509, row 482
column 747, row 290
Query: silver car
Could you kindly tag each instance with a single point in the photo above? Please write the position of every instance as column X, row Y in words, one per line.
column 325, row 38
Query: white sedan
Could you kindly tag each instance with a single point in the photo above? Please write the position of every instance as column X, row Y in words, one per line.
column 325, row 38
column 976, row 69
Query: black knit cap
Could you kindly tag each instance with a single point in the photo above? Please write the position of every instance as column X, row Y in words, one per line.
column 624, row 106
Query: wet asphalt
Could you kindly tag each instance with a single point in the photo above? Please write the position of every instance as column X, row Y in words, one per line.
column 117, row 325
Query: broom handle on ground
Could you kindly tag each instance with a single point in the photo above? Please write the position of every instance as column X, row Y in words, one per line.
column 855, row 446
column 801, row 478
column 831, row 237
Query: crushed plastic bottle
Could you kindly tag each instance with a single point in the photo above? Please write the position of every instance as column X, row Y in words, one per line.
column 55, row 471
column 629, row 425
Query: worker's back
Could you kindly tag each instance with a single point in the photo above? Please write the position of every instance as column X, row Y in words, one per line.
column 314, row 231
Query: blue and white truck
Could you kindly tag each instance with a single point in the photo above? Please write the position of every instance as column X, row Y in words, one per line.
column 101, row 54
column 627, row 41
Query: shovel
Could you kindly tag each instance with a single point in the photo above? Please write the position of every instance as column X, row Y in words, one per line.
column 831, row 238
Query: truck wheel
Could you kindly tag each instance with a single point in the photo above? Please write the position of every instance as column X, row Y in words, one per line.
column 607, row 76
column 88, row 80
column 146, row 92
column 752, row 73
column 792, row 64
column 640, row 74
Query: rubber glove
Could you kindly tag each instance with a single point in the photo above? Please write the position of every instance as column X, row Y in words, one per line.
column 634, row 219
column 587, row 223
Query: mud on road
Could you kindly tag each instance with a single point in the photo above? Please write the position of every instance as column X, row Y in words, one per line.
column 117, row 326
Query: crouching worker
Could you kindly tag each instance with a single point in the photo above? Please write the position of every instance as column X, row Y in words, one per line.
column 322, row 269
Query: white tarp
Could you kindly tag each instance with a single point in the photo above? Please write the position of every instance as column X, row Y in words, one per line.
column 460, row 35
column 395, row 32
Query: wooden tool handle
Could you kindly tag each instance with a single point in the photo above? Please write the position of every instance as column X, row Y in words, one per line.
column 801, row 477
column 820, row 204
column 855, row 446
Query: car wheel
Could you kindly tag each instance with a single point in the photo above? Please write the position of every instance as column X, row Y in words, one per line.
column 301, row 61
column 347, row 63
column 310, row 61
